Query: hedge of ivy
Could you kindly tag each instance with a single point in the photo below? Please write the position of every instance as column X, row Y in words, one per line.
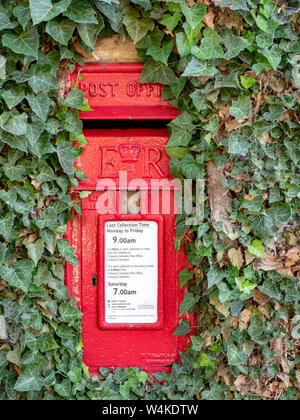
column 232, row 67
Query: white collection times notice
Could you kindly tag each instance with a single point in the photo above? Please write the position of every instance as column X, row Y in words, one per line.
column 131, row 272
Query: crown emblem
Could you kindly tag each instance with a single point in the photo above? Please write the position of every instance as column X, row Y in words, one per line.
column 129, row 152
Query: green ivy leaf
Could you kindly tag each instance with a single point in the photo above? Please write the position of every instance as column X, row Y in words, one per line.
column 81, row 11
column 13, row 96
column 235, row 357
column 89, row 31
column 61, row 31
column 199, row 68
column 67, row 251
column 29, row 380
column 44, row 10
column 26, row 43
column 22, row 13
column 194, row 14
column 233, row 44
column 241, row 108
column 35, row 250
column 64, row 388
column 188, row 303
column 39, row 104
column 273, row 55
column 214, row 276
column 6, row 224
column 190, row 168
column 183, row 327
column 137, row 28
column 19, row 276
column 257, row 248
column 154, row 72
column 68, row 313
column 171, row 21
column 237, row 144
column 64, row 153
column 41, row 79
column 161, row 54
column 281, row 212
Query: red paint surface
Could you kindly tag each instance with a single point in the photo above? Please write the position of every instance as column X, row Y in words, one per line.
column 114, row 92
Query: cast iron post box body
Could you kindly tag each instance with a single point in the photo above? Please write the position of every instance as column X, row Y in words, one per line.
column 126, row 283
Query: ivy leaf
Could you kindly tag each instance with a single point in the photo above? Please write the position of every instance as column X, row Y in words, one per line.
column 81, row 11
column 181, row 133
column 155, row 72
column 183, row 45
column 45, row 172
column 26, row 43
column 237, row 144
column 19, row 276
column 161, row 54
column 188, row 303
column 269, row 288
column 89, row 31
column 22, row 13
column 44, row 10
column 235, row 357
column 64, row 153
column 257, row 249
column 190, row 168
column 241, row 108
column 16, row 142
column 273, row 55
column 67, row 251
column 210, row 47
column 225, row 294
column 185, row 275
column 41, row 79
column 16, row 124
column 281, row 212
column 35, row 250
column 39, row 104
column 233, row 44
column 194, row 14
column 214, row 276
column 145, row 4
column 199, row 68
column 5, row 22
column 13, row 96
column 68, row 313
column 137, row 28
column 6, row 224
column 183, row 328
column 14, row 172
column 170, row 21
column 61, row 31
column 235, row 4
column 29, row 380
column 74, row 99
column 2, row 67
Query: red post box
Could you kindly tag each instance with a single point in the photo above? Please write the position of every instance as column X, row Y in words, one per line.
column 126, row 283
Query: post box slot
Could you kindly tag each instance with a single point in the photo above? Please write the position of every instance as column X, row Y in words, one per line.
column 124, row 124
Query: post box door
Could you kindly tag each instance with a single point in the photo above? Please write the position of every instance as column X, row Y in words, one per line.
column 130, row 288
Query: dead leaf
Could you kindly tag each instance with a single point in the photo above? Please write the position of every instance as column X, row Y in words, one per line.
column 236, row 257
column 260, row 297
column 209, row 19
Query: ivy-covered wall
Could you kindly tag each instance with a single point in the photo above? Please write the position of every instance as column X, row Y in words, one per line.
column 233, row 68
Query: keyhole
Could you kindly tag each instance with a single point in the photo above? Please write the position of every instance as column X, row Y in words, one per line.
column 94, row 280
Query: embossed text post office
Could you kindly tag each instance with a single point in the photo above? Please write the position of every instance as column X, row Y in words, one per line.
column 127, row 283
